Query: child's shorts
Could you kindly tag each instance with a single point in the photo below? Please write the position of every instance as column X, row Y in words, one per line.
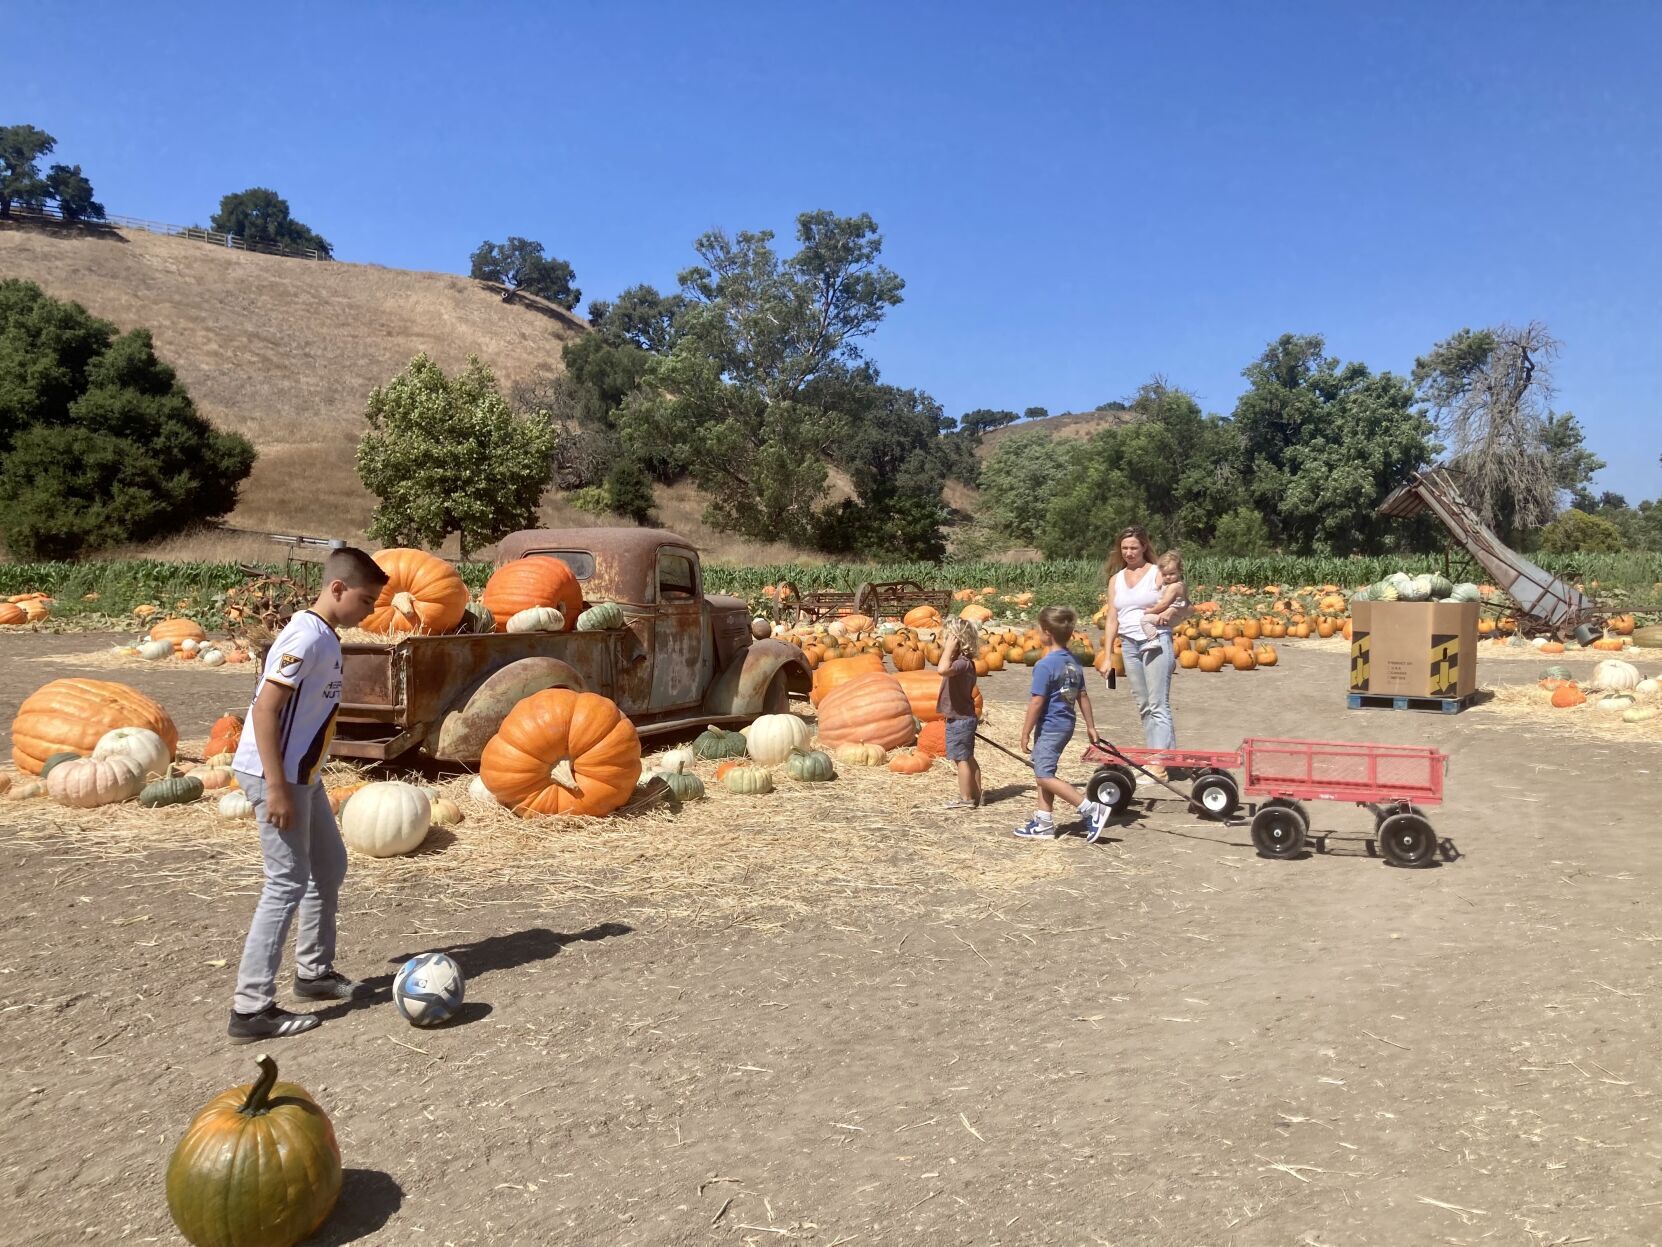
column 1047, row 751
column 960, row 740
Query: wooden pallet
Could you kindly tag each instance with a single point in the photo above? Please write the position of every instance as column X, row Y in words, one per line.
column 1391, row 701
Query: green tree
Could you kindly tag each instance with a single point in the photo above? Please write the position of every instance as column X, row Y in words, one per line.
column 21, row 149
column 756, row 392
column 640, row 317
column 985, row 420
column 898, row 461
column 448, row 455
column 1323, row 443
column 1576, row 532
column 1036, row 413
column 1017, row 482
column 259, row 215
column 1242, row 534
column 99, row 443
column 519, row 264
column 73, row 193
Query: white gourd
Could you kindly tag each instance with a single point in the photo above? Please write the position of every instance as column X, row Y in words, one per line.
column 152, row 650
column 537, row 619
column 212, row 658
column 1648, row 689
column 235, row 805
column 149, row 750
column 386, row 819
column 774, row 737
column 1615, row 676
column 190, row 645
column 477, row 791
column 1616, row 701
column 676, row 760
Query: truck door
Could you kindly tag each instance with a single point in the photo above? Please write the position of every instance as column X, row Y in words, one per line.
column 678, row 658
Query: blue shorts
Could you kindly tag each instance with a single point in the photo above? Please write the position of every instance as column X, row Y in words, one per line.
column 960, row 740
column 1048, row 749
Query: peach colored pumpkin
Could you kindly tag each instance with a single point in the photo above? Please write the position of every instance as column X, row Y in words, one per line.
column 870, row 708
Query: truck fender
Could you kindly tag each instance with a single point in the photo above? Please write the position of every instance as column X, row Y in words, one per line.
column 743, row 689
column 475, row 715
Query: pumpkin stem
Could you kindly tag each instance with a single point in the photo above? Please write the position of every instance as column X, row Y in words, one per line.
column 259, row 1094
column 564, row 775
column 404, row 604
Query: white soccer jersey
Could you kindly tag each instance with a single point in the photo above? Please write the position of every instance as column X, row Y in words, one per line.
column 305, row 657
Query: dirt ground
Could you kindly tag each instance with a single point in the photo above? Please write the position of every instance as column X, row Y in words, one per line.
column 1168, row 1041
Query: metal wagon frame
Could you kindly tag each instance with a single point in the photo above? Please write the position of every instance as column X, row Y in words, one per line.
column 1396, row 783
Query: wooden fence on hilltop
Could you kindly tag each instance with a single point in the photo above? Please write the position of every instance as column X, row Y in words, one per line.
column 193, row 232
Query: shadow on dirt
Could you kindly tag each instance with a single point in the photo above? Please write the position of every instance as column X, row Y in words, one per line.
column 368, row 1198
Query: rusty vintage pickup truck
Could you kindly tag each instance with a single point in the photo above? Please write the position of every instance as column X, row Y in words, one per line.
column 681, row 659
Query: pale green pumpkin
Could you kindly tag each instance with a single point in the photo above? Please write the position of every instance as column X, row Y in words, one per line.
column 600, row 616
column 811, row 767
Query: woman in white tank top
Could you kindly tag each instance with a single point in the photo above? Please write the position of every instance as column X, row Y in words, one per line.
column 1133, row 588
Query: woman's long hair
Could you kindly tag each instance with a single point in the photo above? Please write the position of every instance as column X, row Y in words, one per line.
column 1116, row 561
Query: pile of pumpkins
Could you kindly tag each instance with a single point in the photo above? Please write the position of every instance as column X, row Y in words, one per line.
column 183, row 639
column 426, row 595
column 1615, row 687
column 25, row 608
column 913, row 642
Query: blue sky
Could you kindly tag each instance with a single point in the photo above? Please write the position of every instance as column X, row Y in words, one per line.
column 1078, row 196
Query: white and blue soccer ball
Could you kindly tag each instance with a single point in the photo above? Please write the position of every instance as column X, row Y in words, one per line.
column 428, row 989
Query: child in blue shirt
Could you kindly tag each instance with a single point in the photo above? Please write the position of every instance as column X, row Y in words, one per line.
column 1058, row 688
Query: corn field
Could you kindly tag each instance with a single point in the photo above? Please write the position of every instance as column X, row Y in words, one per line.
column 115, row 587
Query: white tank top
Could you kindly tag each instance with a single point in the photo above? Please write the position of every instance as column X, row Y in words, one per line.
column 1132, row 600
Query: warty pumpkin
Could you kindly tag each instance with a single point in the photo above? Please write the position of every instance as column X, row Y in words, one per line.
column 73, row 714
column 1567, row 695
column 932, row 739
column 871, row 708
column 537, row 580
column 563, row 752
column 258, row 1166
column 224, row 736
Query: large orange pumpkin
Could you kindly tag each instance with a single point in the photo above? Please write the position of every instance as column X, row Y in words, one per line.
column 922, row 617
column 869, row 709
column 423, row 594
column 908, row 658
column 834, row 671
column 923, row 690
column 178, row 631
column 12, row 614
column 563, row 752
column 854, row 625
column 535, row 581
column 975, row 614
column 71, row 715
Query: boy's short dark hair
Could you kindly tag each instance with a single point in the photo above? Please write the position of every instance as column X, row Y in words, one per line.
column 354, row 567
column 1058, row 622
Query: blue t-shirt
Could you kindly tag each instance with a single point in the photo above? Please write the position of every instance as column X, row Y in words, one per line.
column 1059, row 679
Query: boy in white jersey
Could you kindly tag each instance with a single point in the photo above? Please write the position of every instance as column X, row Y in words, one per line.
column 290, row 725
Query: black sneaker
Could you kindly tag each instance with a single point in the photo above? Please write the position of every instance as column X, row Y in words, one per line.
column 269, row 1023
column 331, row 986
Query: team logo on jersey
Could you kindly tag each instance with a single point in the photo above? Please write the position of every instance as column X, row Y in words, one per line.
column 289, row 665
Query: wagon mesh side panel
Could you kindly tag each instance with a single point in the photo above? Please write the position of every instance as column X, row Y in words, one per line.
column 1369, row 770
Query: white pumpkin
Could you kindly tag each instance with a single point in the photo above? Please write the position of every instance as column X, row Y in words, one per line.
column 386, row 819
column 676, row 760
column 774, row 737
column 537, row 619
column 152, row 650
column 87, row 782
column 476, row 791
column 212, row 658
column 235, row 805
column 1616, row 701
column 138, row 743
column 1615, row 676
column 1648, row 689
column 190, row 645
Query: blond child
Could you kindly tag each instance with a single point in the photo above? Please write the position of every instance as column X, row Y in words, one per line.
column 956, row 705
column 1172, row 606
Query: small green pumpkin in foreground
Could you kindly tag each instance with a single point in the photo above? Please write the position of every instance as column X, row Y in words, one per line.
column 56, row 759
column 713, row 744
column 258, row 1166
column 811, row 767
column 683, row 785
column 600, row 616
column 172, row 790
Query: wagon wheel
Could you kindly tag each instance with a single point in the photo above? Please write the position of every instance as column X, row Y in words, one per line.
column 1112, row 786
column 1278, row 828
column 1406, row 839
column 1216, row 795
column 787, row 603
column 867, row 600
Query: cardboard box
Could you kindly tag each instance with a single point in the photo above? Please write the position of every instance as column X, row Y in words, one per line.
column 1413, row 649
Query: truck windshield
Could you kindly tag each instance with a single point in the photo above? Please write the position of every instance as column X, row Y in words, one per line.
column 581, row 562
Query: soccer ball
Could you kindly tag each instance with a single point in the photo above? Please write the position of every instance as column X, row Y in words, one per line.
column 428, row 989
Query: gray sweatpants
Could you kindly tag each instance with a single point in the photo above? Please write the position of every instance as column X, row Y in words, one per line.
column 304, row 867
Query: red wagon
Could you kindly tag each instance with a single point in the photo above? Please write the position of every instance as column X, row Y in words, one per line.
column 1395, row 782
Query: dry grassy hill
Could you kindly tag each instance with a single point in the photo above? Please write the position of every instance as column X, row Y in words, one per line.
column 1076, row 425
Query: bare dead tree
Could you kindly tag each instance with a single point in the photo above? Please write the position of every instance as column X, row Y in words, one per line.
column 1490, row 393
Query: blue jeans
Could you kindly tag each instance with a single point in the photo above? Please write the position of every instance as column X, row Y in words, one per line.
column 304, row 867
column 1148, row 665
column 1048, row 750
